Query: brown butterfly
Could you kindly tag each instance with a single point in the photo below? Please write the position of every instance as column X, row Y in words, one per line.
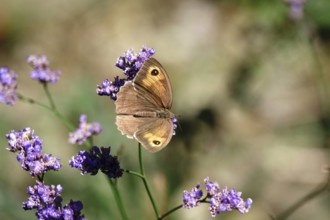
column 143, row 107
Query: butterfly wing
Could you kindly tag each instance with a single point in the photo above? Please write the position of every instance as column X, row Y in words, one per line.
column 153, row 133
column 131, row 100
column 129, row 125
column 153, row 78
column 149, row 92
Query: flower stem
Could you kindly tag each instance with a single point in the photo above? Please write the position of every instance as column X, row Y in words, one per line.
column 317, row 191
column 51, row 101
column 170, row 212
column 146, row 184
column 179, row 207
column 134, row 173
column 53, row 110
column 117, row 196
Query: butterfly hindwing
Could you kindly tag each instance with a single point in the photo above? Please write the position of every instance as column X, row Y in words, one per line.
column 153, row 133
column 129, row 125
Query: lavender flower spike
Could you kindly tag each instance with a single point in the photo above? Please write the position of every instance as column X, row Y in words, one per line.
column 47, row 201
column 224, row 200
column 8, row 86
column 29, row 149
column 85, row 130
column 130, row 63
column 191, row 199
column 41, row 70
column 97, row 159
column 221, row 200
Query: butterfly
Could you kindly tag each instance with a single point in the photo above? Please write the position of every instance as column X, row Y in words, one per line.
column 143, row 107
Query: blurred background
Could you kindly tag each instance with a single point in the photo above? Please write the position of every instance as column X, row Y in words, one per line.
column 250, row 85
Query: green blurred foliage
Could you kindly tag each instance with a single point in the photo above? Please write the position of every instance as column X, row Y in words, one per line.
column 251, row 89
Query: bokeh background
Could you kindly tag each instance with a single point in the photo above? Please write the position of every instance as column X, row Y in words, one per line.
column 251, row 88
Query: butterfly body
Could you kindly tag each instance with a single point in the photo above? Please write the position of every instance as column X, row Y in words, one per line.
column 162, row 113
column 143, row 107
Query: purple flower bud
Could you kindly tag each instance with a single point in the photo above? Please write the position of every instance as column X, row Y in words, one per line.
column 29, row 152
column 47, row 202
column 85, row 131
column 220, row 200
column 211, row 187
column 191, row 199
column 41, row 70
column 8, row 86
column 130, row 64
column 97, row 159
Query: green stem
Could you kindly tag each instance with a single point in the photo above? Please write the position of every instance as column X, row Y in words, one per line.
column 134, row 173
column 119, row 202
column 53, row 110
column 317, row 191
column 170, row 212
column 51, row 101
column 179, row 207
column 146, row 184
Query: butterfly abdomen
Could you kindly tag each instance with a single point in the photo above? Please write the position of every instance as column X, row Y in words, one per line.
column 145, row 114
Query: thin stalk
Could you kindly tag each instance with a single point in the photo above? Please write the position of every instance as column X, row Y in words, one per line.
column 32, row 101
column 134, row 173
column 49, row 96
column 90, row 142
column 311, row 195
column 146, row 184
column 119, row 202
column 170, row 212
column 179, row 207
column 54, row 111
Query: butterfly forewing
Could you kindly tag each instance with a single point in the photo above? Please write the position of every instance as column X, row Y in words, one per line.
column 131, row 100
column 154, row 79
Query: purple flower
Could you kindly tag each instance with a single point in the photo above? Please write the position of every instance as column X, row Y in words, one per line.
column 72, row 211
column 296, row 9
column 220, row 200
column 85, row 162
column 110, row 88
column 175, row 125
column 85, row 130
column 47, row 201
column 211, row 187
column 41, row 70
column 130, row 64
column 192, row 199
column 29, row 152
column 97, row 159
column 224, row 200
column 8, row 86
column 41, row 194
